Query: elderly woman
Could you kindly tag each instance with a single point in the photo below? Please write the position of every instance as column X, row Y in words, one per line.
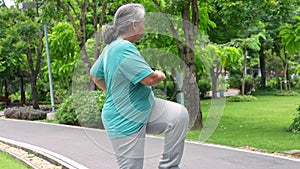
column 131, row 110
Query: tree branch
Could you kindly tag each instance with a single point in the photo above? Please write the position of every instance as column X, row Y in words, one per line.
column 98, row 33
column 73, row 9
column 4, row 4
column 95, row 15
column 29, row 56
column 39, row 52
column 82, row 21
column 195, row 13
column 64, row 8
column 172, row 27
column 101, row 20
column 78, row 3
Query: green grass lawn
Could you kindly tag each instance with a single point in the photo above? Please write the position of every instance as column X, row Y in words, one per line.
column 8, row 162
column 261, row 124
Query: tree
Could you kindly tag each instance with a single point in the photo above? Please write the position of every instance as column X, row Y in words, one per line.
column 189, row 11
column 241, row 20
column 10, row 47
column 245, row 44
column 31, row 34
column 25, row 38
column 276, row 13
column 217, row 58
column 212, row 55
column 290, row 39
column 76, row 12
column 64, row 53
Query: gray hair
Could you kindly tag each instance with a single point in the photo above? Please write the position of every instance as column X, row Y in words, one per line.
column 124, row 17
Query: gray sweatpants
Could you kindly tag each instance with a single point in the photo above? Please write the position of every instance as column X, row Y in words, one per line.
column 167, row 118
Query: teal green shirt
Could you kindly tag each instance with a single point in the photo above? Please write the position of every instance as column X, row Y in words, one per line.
column 128, row 103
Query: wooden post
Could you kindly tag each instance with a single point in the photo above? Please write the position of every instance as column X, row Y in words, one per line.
column 280, row 86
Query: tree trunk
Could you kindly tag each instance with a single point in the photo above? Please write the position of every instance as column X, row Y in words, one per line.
column 23, row 97
column 98, row 27
column 214, row 83
column 191, row 95
column 80, row 30
column 190, row 22
column 35, row 68
column 198, row 122
column 6, row 94
column 87, row 65
column 34, row 93
column 262, row 64
column 285, row 70
column 244, row 71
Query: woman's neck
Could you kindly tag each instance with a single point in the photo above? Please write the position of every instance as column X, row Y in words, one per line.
column 127, row 37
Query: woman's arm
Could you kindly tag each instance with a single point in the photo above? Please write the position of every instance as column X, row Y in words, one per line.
column 154, row 79
column 99, row 83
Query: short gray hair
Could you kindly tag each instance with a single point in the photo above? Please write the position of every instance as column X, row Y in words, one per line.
column 124, row 17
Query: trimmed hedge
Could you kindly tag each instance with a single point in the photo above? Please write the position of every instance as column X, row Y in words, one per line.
column 25, row 113
column 240, row 98
column 287, row 93
column 82, row 108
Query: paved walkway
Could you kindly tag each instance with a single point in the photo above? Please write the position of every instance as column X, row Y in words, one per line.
column 230, row 92
column 91, row 148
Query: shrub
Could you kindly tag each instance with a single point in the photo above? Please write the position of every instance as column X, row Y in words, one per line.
column 287, row 93
column 66, row 114
column 204, row 87
column 25, row 113
column 249, row 84
column 235, row 81
column 295, row 82
column 240, row 98
column 274, row 92
column 160, row 88
column 274, row 82
column 82, row 108
column 268, row 91
column 295, row 126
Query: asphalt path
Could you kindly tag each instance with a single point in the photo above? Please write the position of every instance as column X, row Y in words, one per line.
column 92, row 148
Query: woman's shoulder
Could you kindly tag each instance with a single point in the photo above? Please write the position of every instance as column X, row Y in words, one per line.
column 127, row 46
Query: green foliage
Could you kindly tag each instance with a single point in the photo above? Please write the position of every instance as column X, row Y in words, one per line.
column 64, row 49
column 82, row 108
column 295, row 126
column 298, row 69
column 235, row 81
column 265, row 92
column 274, row 92
column 160, row 89
column 230, row 56
column 9, row 162
column 11, row 46
column 287, row 93
column 222, row 84
column 66, row 114
column 274, row 82
column 204, row 87
column 290, row 36
column 261, row 124
column 296, row 81
column 240, row 98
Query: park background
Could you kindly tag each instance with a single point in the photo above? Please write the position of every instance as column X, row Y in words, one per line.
column 252, row 46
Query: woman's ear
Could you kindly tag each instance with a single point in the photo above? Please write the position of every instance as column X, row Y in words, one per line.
column 134, row 26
